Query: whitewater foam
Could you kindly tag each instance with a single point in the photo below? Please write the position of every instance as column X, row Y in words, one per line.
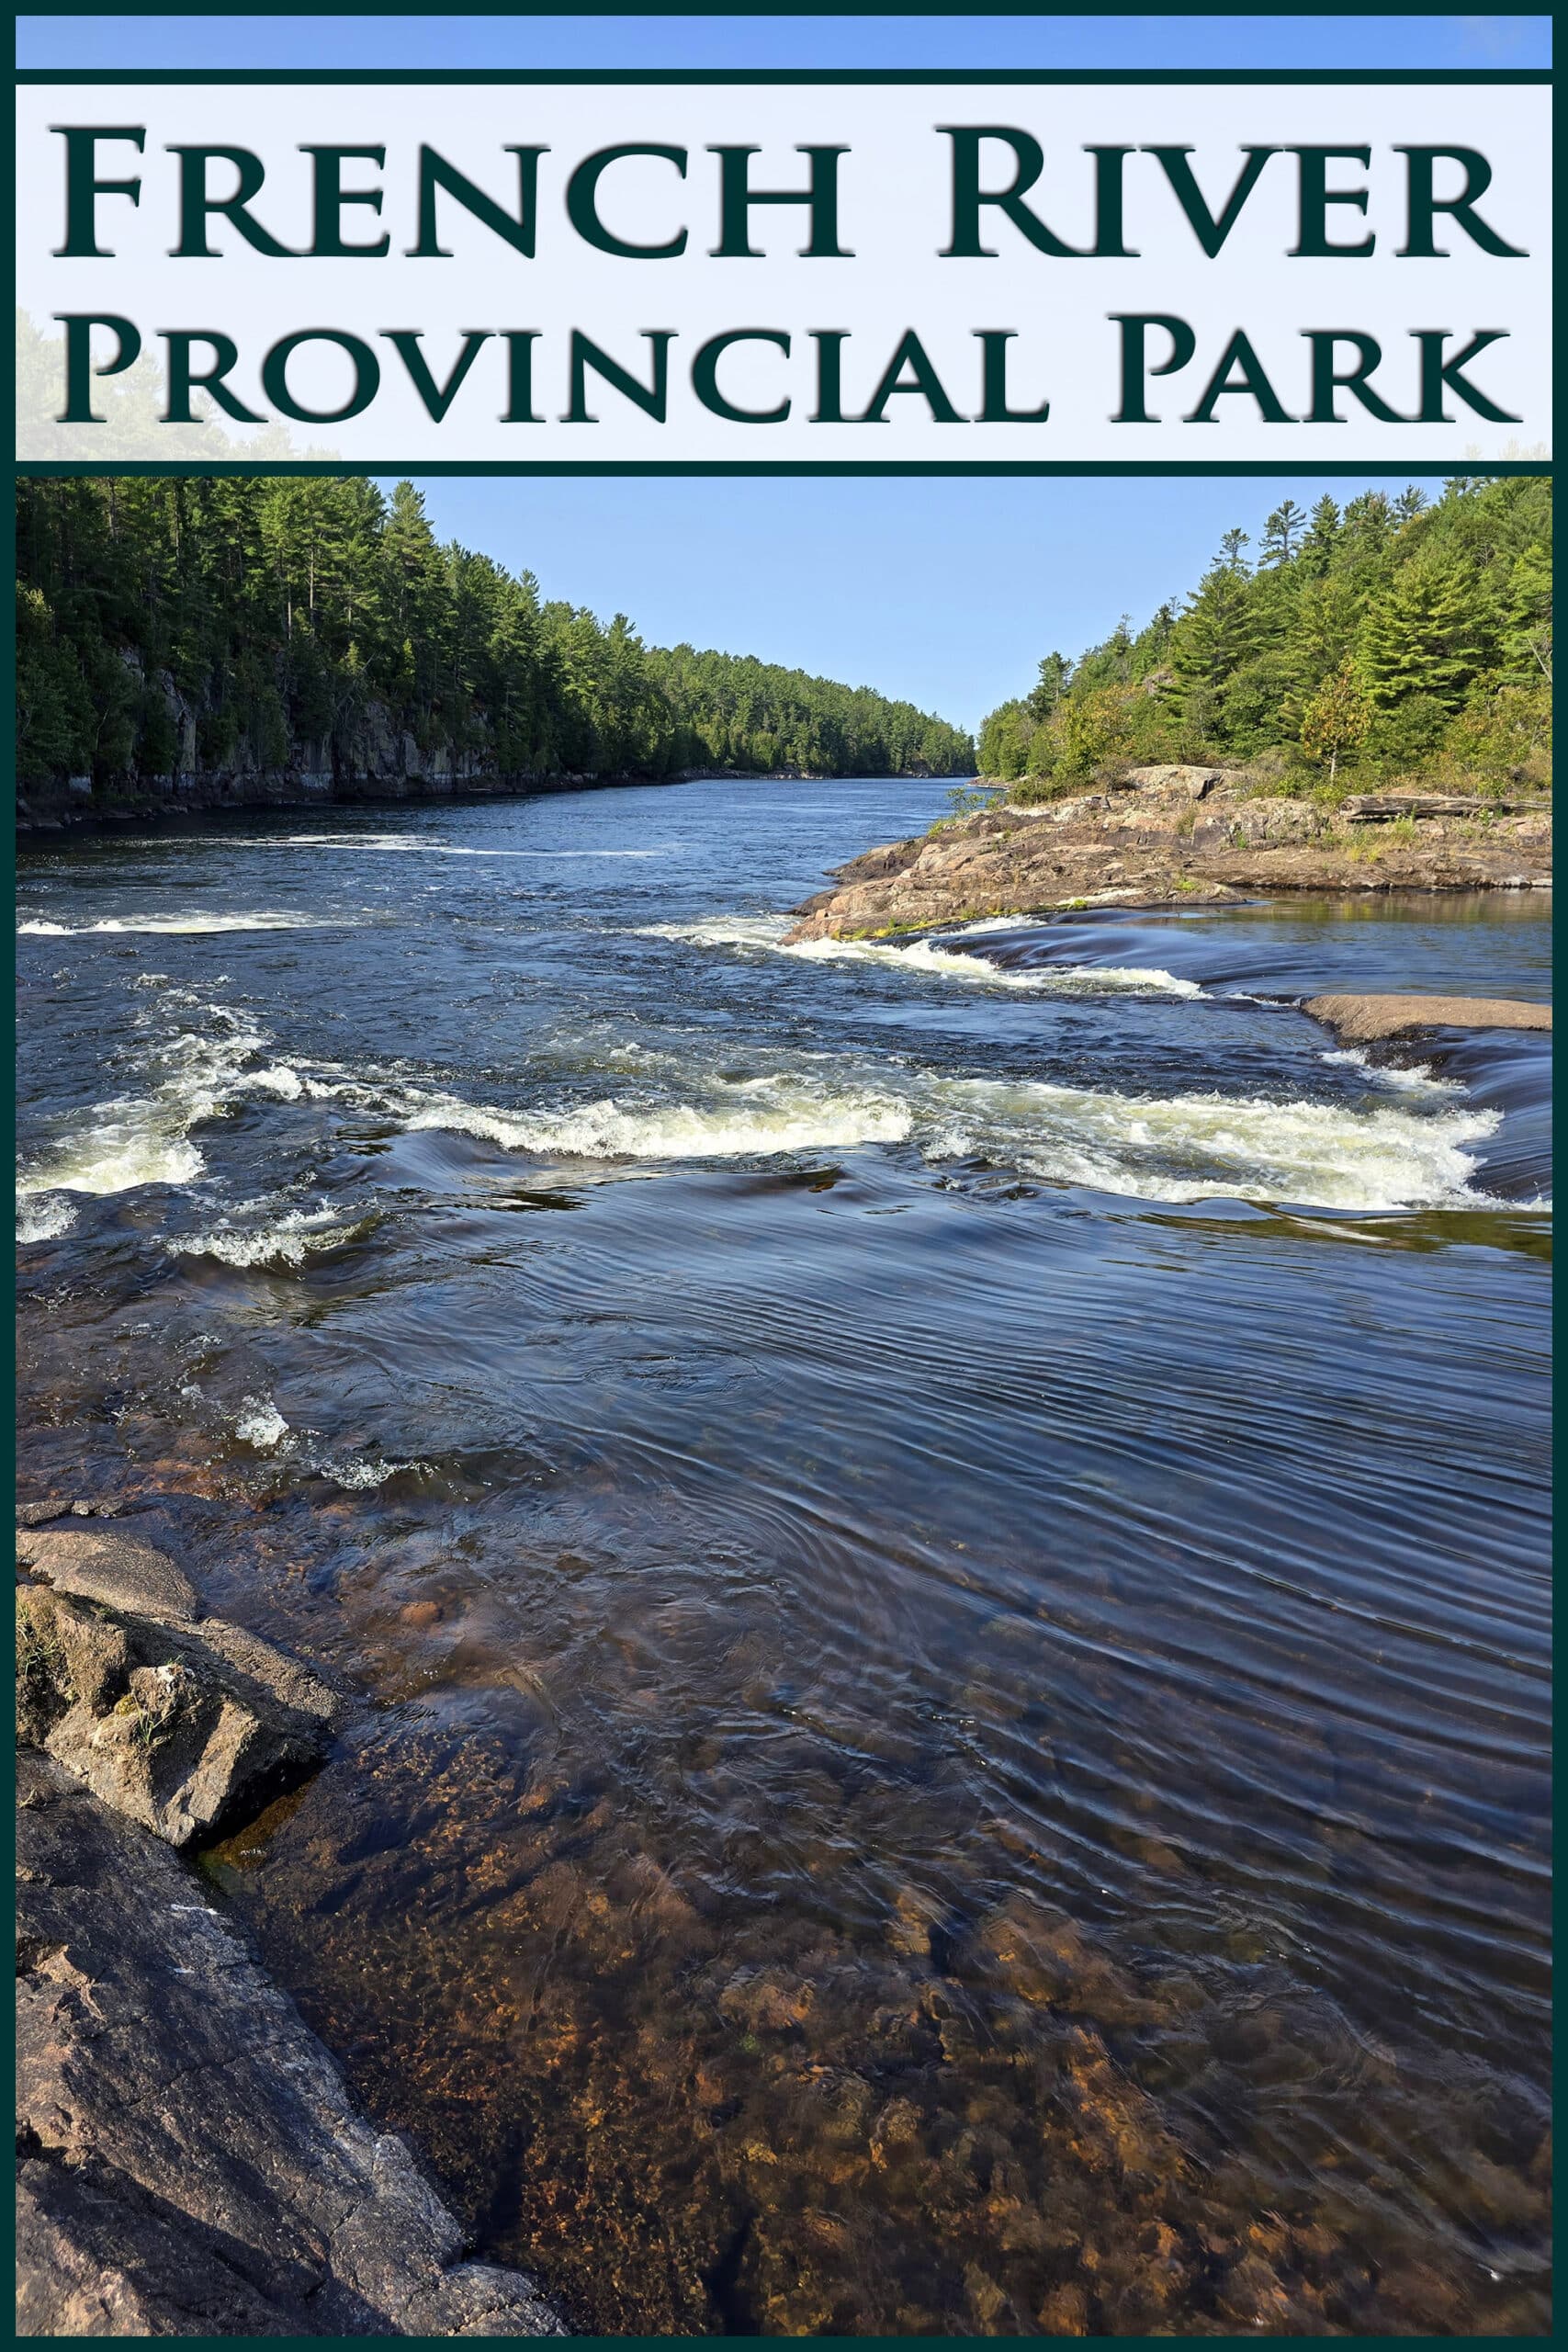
column 926, row 959
column 131, row 1141
column 996, row 922
column 260, row 1424
column 1198, row 1147
column 367, row 1471
column 287, row 1240
column 1417, row 1079
column 1174, row 1147
column 44, row 1218
column 191, row 926
column 128, row 1145
column 755, row 1117
column 417, row 842
column 722, row 931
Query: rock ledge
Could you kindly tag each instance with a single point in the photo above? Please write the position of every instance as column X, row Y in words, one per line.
column 1359, row 1019
column 189, row 2161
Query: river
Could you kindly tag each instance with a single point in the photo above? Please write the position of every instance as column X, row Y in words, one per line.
column 946, row 1544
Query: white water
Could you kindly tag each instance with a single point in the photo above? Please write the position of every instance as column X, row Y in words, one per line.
column 1198, row 1147
column 285, row 1241
column 763, row 1116
column 194, row 1074
column 924, row 958
column 44, row 1218
column 198, row 1060
column 188, row 926
column 1177, row 1148
column 1414, row 1080
column 420, row 845
column 261, row 1424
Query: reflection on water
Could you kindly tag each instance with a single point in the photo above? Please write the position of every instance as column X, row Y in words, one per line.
column 950, row 1571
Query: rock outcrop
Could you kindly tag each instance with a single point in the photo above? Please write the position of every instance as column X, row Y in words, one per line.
column 1181, row 836
column 1358, row 1020
column 189, row 2160
column 170, row 1718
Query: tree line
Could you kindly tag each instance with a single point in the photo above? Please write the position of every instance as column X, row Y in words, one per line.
column 1390, row 637
column 286, row 613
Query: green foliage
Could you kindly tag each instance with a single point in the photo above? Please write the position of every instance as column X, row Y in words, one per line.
column 966, row 800
column 1007, row 741
column 1092, row 729
column 1500, row 739
column 1426, row 635
column 1407, row 734
column 1390, row 636
column 1527, row 624
column 283, row 617
column 1337, row 717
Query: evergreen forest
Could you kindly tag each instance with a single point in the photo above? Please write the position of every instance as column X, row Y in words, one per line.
column 1391, row 638
column 282, row 612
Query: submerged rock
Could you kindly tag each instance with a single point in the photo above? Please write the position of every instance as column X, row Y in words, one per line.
column 190, row 2161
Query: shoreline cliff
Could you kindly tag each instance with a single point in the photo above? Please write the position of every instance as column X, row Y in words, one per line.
column 73, row 806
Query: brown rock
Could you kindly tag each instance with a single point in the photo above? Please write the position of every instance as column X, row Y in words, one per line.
column 1192, row 782
column 112, row 1568
column 1194, row 839
column 171, row 1724
column 1047, row 1960
column 1361, row 1018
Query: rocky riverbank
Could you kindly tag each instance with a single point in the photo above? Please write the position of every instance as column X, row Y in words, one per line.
column 189, row 2160
column 73, row 805
column 1180, row 835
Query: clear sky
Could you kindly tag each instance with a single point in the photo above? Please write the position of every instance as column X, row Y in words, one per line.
column 430, row 37
column 947, row 591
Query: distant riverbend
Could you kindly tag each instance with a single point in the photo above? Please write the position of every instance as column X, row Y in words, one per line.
column 939, row 1540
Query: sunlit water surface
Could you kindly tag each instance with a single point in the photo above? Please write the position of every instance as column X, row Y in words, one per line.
column 946, row 1544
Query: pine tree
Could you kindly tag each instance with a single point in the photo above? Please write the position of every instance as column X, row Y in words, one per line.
column 1424, row 636
column 1282, row 532
column 1056, row 671
column 1323, row 538
column 1216, row 632
column 1526, row 627
column 1443, row 610
column 285, row 610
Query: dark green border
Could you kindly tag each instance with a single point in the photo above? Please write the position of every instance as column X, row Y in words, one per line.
column 803, row 8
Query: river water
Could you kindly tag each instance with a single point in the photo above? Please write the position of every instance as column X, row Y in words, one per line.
column 946, row 1546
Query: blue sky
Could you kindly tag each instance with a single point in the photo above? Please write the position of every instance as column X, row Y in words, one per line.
column 432, row 38
column 947, row 591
